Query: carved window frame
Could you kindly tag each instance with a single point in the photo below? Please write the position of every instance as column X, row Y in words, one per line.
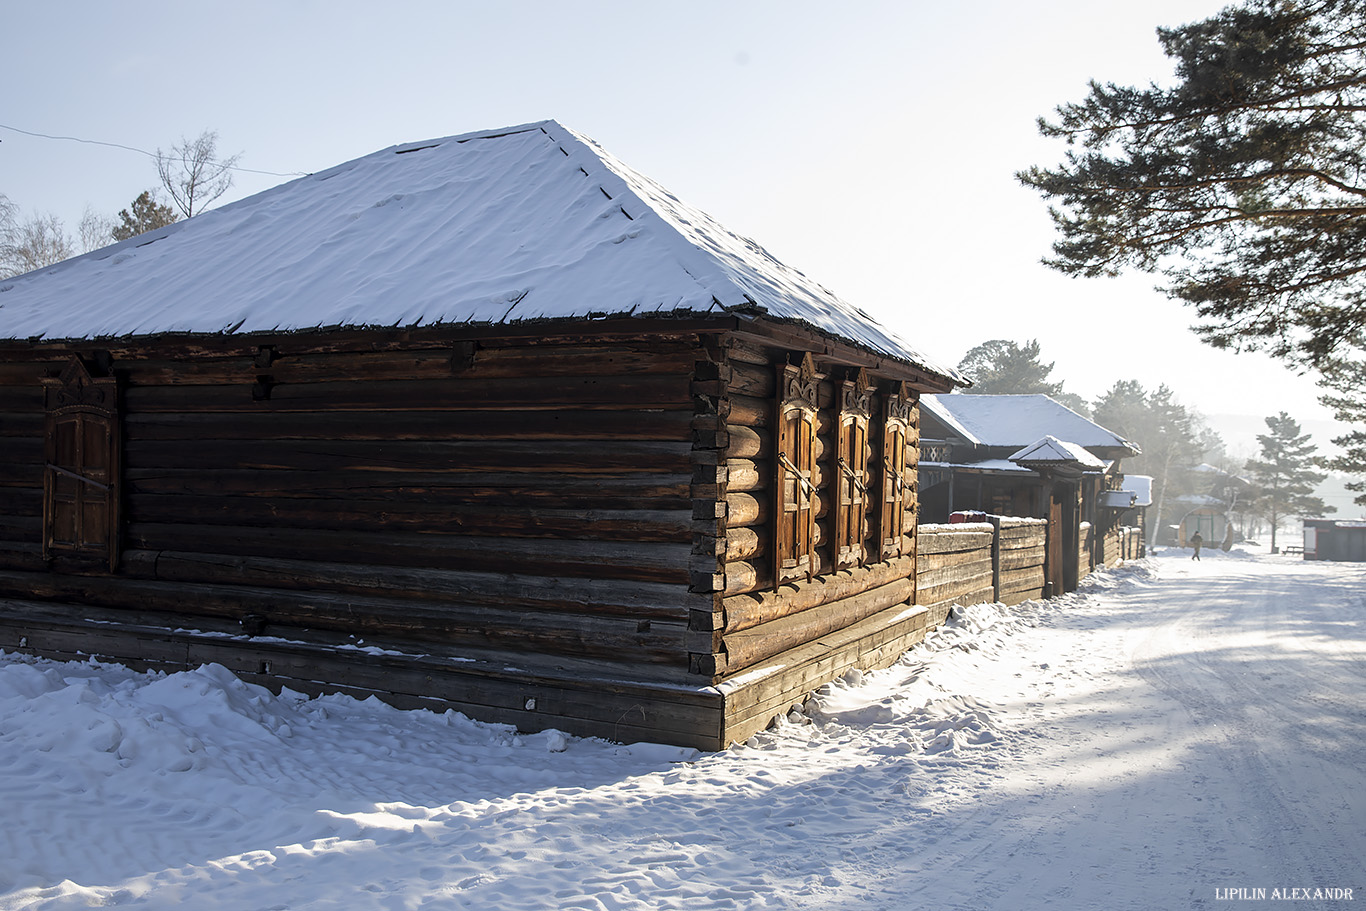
column 853, row 477
column 898, row 422
column 82, row 468
column 795, row 472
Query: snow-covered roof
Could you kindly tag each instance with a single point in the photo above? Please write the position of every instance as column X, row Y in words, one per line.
column 1017, row 420
column 1050, row 450
column 523, row 223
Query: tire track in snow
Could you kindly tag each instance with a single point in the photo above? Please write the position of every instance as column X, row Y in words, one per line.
column 1281, row 719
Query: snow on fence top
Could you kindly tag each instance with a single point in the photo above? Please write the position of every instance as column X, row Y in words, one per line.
column 524, row 223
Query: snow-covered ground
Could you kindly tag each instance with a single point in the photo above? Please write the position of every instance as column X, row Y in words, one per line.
column 1176, row 735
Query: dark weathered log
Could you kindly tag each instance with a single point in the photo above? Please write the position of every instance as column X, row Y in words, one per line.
column 450, row 622
column 775, row 683
column 573, row 456
column 20, row 453
column 645, row 562
column 21, row 527
column 746, row 611
column 450, row 489
column 622, row 393
column 22, row 396
column 585, row 696
column 416, row 516
column 556, row 424
column 429, row 363
column 22, row 555
column 753, row 380
column 752, row 352
column 21, row 501
column 744, row 648
column 641, row 600
column 22, row 425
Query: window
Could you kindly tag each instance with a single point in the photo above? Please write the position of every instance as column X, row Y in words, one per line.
column 795, row 501
column 81, row 474
column 897, row 491
column 852, row 479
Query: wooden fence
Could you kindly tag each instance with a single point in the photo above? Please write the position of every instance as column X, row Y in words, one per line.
column 1002, row 559
column 1021, row 545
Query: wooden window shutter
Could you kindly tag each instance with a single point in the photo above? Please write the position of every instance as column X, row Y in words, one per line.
column 82, row 468
column 897, row 492
column 852, row 477
column 795, row 495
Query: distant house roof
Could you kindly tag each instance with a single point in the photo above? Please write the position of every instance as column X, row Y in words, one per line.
column 1014, row 421
column 524, row 223
column 1052, row 451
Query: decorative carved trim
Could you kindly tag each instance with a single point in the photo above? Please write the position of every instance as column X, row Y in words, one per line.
column 856, row 394
column 797, row 384
column 901, row 404
column 74, row 389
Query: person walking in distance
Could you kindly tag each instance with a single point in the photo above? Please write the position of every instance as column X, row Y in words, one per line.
column 1196, row 541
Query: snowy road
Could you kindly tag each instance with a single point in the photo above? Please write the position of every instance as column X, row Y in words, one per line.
column 1268, row 671
column 1175, row 736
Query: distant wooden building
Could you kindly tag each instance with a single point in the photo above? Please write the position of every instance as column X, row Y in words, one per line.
column 1029, row 456
column 489, row 422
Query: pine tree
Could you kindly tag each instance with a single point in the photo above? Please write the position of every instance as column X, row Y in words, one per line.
column 1174, row 441
column 1285, row 474
column 147, row 215
column 1241, row 183
column 1345, row 378
column 1001, row 367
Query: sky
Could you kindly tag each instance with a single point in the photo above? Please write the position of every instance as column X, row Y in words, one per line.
column 873, row 147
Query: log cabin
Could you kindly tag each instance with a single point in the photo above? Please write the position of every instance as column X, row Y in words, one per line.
column 1029, row 455
column 491, row 423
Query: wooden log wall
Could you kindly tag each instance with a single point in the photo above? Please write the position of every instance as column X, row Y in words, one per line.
column 1086, row 539
column 527, row 495
column 954, row 566
column 22, row 425
column 1021, row 547
column 750, row 619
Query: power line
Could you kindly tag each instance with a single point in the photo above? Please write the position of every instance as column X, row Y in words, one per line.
column 152, row 155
